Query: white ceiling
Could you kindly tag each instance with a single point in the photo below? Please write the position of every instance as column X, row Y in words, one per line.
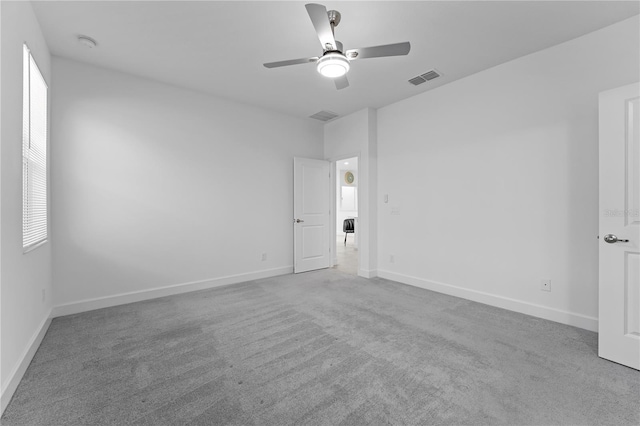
column 219, row 47
column 353, row 164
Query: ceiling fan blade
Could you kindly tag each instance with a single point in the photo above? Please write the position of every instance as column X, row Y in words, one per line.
column 341, row 82
column 396, row 49
column 320, row 20
column 290, row 62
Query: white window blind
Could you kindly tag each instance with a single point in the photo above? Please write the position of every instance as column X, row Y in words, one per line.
column 34, row 154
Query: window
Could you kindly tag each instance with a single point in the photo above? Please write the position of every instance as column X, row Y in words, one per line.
column 34, row 154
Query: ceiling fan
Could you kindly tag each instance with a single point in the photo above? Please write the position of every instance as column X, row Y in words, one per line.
column 334, row 62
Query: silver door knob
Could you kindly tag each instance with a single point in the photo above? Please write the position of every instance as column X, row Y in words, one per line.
column 298, row 220
column 610, row 238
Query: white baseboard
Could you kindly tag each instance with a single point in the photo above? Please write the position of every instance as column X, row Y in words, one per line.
column 545, row 312
column 367, row 273
column 15, row 376
column 137, row 296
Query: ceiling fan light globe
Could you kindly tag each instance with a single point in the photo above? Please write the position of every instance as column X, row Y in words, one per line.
column 333, row 65
column 333, row 70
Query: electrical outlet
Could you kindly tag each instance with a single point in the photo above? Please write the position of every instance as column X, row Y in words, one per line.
column 545, row 285
column 264, row 257
column 392, row 258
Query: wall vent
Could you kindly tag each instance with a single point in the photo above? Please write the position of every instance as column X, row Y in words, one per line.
column 324, row 115
column 429, row 75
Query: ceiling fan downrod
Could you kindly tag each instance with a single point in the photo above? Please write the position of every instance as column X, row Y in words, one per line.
column 334, row 19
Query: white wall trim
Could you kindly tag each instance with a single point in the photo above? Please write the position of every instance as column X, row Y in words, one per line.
column 21, row 367
column 153, row 293
column 368, row 273
column 545, row 312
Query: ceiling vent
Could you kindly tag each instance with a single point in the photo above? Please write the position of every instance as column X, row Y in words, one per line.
column 429, row 75
column 324, row 115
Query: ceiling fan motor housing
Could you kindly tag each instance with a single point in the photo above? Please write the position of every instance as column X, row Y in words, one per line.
column 337, row 49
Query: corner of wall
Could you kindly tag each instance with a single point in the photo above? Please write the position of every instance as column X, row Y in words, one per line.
column 372, row 135
column 25, row 279
column 15, row 375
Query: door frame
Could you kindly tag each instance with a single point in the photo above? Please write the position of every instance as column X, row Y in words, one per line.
column 334, row 206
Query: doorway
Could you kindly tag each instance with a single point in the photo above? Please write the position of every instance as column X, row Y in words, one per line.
column 346, row 215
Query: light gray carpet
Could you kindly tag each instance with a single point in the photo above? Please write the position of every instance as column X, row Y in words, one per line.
column 321, row 348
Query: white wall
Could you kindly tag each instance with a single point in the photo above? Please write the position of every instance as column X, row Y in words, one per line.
column 493, row 179
column 350, row 136
column 157, row 186
column 23, row 277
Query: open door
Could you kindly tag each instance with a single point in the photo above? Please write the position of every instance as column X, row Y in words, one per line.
column 619, row 286
column 311, row 214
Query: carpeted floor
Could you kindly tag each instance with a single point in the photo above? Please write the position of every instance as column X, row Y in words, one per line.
column 320, row 348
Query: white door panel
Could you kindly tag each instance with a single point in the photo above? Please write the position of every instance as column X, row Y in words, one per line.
column 619, row 227
column 311, row 214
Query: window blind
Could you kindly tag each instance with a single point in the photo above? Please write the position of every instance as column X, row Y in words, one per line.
column 34, row 154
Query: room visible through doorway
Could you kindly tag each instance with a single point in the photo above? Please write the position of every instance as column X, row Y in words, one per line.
column 346, row 174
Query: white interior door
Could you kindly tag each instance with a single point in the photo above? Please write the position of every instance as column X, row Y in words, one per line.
column 311, row 214
column 619, row 294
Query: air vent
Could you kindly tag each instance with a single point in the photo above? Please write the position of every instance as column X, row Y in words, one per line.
column 324, row 115
column 417, row 80
column 429, row 75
